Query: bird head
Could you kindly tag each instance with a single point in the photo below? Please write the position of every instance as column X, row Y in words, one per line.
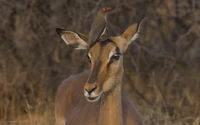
column 104, row 11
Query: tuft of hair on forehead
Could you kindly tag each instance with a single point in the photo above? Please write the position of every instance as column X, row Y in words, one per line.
column 105, row 41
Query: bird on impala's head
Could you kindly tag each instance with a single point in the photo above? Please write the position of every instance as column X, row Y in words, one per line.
column 98, row 27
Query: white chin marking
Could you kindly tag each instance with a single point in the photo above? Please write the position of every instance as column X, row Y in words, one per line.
column 93, row 99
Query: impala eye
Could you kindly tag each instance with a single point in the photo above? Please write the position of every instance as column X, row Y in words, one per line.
column 116, row 56
column 113, row 58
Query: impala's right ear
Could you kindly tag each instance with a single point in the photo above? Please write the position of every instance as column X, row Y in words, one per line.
column 73, row 39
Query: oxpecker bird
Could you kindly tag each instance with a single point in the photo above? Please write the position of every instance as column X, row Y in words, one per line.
column 98, row 27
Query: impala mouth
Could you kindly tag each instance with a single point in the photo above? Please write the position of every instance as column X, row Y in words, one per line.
column 93, row 99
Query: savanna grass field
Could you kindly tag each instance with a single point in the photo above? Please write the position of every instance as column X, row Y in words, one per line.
column 162, row 67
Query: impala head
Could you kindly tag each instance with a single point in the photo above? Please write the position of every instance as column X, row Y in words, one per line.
column 105, row 58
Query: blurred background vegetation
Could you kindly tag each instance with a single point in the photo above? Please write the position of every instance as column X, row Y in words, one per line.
column 162, row 68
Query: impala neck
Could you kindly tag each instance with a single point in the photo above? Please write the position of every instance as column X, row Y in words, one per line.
column 111, row 107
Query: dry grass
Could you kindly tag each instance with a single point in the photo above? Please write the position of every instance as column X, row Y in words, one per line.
column 161, row 68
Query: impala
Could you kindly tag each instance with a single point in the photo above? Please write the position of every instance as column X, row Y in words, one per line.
column 94, row 96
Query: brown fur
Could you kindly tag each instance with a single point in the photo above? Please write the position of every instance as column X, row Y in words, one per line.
column 72, row 107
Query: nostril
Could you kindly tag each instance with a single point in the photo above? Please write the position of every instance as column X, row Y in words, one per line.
column 87, row 90
column 91, row 90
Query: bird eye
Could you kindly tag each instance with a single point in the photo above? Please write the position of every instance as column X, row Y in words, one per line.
column 116, row 56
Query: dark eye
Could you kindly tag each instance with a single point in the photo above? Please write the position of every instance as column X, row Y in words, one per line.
column 116, row 56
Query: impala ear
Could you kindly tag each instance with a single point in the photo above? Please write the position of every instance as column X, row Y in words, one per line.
column 73, row 39
column 131, row 33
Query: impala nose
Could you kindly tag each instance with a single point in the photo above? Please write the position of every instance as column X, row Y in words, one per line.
column 90, row 88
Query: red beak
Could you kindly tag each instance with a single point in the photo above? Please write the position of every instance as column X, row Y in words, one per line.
column 109, row 8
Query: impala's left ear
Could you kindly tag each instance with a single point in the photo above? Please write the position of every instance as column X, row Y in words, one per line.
column 131, row 34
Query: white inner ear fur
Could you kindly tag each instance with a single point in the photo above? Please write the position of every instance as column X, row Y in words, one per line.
column 65, row 40
column 135, row 36
column 110, row 55
column 81, row 44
